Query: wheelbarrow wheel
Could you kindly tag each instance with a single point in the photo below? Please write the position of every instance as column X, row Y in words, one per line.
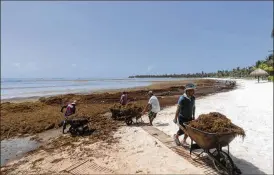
column 113, row 116
column 226, row 161
column 73, row 132
column 129, row 121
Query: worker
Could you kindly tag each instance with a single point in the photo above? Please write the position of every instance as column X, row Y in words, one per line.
column 185, row 112
column 123, row 99
column 153, row 107
column 70, row 110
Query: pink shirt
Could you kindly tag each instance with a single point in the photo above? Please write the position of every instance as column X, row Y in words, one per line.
column 123, row 99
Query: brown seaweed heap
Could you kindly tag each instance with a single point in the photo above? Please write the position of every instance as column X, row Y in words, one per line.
column 22, row 118
column 215, row 122
column 131, row 109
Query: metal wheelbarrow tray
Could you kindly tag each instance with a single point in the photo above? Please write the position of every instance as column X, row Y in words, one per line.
column 212, row 144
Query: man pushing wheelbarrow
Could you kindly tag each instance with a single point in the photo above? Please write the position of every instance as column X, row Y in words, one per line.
column 185, row 112
column 208, row 142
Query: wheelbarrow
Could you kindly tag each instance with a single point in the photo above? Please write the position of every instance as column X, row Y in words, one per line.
column 212, row 144
column 126, row 115
column 129, row 119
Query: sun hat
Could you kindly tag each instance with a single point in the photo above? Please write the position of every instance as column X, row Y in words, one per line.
column 190, row 86
column 150, row 93
column 74, row 102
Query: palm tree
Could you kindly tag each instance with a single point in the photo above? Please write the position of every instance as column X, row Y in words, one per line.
column 258, row 63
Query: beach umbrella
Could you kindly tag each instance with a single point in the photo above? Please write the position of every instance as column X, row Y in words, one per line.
column 258, row 72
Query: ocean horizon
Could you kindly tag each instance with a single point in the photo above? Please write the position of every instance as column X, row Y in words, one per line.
column 12, row 88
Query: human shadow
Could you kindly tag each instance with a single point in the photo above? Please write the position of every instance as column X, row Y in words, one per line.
column 142, row 123
column 262, row 82
column 86, row 133
column 139, row 124
column 244, row 166
column 161, row 124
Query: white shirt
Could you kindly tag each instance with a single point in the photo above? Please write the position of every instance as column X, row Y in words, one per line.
column 155, row 105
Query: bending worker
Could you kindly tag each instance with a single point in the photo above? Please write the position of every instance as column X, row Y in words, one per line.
column 123, row 99
column 185, row 112
column 70, row 109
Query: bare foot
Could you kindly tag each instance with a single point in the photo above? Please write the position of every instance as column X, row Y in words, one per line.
column 176, row 139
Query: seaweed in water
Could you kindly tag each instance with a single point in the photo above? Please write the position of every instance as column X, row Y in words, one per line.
column 215, row 122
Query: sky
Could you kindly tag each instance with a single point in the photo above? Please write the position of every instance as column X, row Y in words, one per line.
column 70, row 39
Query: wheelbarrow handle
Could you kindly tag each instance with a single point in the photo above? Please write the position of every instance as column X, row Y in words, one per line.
column 185, row 131
column 182, row 128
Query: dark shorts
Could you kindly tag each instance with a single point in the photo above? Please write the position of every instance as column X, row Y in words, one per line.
column 152, row 116
column 181, row 121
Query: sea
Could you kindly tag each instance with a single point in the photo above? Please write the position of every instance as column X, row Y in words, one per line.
column 15, row 88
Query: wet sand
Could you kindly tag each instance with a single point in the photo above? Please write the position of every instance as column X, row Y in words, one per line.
column 16, row 148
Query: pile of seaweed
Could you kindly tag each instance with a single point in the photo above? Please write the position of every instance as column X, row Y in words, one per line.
column 120, row 111
column 215, row 122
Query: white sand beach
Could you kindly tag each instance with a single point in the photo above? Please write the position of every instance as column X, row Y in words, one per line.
column 250, row 106
column 137, row 153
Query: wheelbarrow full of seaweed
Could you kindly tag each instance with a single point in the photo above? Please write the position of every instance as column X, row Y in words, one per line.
column 78, row 126
column 212, row 142
column 132, row 116
column 129, row 113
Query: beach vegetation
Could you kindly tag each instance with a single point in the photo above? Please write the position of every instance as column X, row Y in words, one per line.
column 271, row 78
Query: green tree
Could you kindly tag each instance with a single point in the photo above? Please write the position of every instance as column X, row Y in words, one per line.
column 263, row 66
column 257, row 64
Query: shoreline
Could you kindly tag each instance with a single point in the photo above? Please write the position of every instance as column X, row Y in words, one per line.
column 87, row 92
column 125, row 147
column 139, row 83
column 99, row 120
column 32, row 117
column 152, row 84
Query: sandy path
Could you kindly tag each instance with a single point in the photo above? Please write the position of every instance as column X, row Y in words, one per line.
column 251, row 107
column 138, row 152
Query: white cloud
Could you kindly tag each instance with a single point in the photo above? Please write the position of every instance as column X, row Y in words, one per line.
column 73, row 65
column 17, row 65
column 149, row 68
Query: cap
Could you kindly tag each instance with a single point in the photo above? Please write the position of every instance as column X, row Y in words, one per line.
column 190, row 86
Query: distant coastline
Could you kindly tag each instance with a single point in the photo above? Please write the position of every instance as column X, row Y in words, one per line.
column 238, row 72
column 191, row 76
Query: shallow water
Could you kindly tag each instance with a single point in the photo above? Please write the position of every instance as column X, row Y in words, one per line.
column 24, row 88
column 12, row 149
